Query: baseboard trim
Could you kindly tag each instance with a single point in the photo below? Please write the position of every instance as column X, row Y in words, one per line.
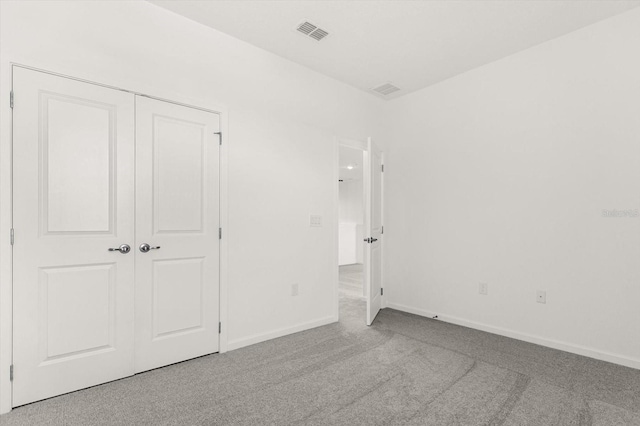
column 563, row 346
column 263, row 337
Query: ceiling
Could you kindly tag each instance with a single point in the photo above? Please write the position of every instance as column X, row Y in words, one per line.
column 351, row 163
column 411, row 44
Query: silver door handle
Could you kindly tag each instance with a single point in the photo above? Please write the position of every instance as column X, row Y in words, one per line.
column 124, row 249
column 145, row 248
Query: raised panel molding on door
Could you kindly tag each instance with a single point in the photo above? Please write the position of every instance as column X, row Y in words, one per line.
column 177, row 211
column 73, row 151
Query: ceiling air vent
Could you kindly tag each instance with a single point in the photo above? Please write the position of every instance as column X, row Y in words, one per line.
column 386, row 89
column 308, row 29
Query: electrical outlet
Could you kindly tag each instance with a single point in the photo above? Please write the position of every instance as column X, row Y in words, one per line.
column 294, row 289
column 541, row 296
column 483, row 289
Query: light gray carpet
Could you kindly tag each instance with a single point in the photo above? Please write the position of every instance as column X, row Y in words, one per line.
column 403, row 370
column 351, row 280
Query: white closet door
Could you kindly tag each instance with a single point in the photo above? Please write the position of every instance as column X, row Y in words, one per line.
column 73, row 151
column 177, row 215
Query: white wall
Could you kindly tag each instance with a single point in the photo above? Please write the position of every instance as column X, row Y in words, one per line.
column 280, row 147
column 351, row 216
column 501, row 175
column 351, row 201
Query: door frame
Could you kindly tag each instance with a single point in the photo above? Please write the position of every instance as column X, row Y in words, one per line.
column 6, row 216
column 366, row 180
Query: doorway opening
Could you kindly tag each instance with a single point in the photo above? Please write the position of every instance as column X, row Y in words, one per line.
column 351, row 222
column 360, row 229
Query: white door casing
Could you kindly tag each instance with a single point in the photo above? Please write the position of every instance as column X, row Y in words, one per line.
column 177, row 210
column 373, row 227
column 73, row 199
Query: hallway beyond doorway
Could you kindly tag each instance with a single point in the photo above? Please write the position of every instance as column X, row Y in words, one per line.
column 352, row 280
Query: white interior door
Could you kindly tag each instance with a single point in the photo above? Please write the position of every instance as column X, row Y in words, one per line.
column 73, row 151
column 177, row 215
column 373, row 227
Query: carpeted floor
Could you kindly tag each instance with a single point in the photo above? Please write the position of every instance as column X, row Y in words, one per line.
column 403, row 370
column 351, row 280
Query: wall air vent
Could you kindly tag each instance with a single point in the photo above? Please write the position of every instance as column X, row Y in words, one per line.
column 386, row 89
column 308, row 29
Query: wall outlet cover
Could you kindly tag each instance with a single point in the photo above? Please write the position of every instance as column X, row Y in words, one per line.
column 294, row 289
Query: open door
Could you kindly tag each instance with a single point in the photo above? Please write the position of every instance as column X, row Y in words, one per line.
column 373, row 231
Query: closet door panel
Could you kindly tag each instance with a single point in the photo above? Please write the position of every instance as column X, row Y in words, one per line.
column 73, row 166
column 177, row 218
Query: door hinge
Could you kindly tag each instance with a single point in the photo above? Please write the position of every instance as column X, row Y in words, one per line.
column 11, row 99
column 383, row 168
column 219, row 134
column 382, row 229
column 11, row 373
column 219, row 233
column 13, row 236
column 219, row 327
column 381, row 291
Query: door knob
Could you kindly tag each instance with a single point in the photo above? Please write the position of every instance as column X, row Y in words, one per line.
column 124, row 249
column 145, row 248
